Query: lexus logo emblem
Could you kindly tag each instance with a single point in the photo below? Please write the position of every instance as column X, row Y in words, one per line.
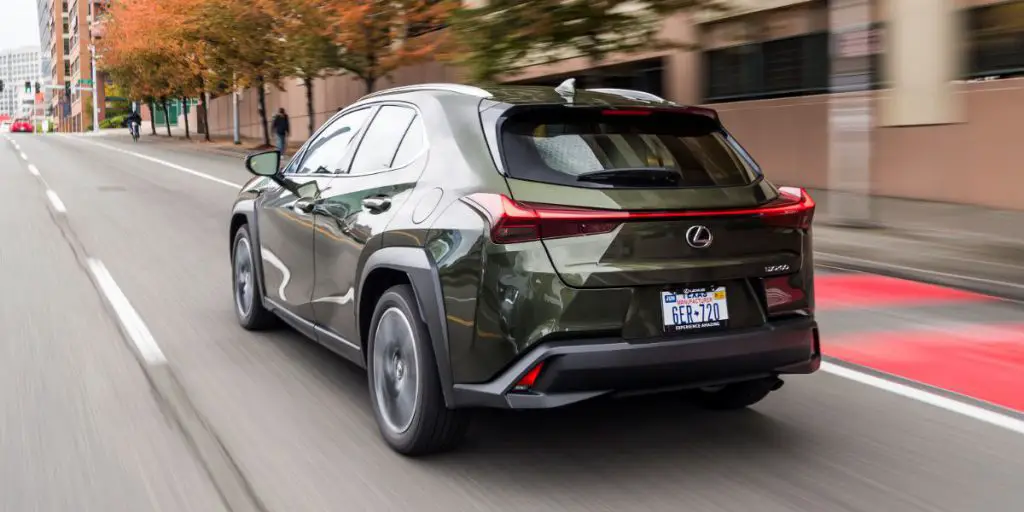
column 699, row 237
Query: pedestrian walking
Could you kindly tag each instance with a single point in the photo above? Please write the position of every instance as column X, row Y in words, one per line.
column 282, row 128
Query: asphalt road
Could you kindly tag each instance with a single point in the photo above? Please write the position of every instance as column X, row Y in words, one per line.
column 83, row 429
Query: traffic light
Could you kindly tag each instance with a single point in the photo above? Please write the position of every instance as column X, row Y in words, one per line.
column 1, row 86
column 28, row 86
column 67, row 89
column 37, row 87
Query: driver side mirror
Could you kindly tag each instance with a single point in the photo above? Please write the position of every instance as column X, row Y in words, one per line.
column 266, row 163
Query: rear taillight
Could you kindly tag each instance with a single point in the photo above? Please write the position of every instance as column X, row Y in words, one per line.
column 513, row 222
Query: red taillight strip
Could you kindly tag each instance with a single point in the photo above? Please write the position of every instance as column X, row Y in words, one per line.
column 512, row 221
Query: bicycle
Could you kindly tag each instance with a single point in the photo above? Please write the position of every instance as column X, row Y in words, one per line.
column 134, row 128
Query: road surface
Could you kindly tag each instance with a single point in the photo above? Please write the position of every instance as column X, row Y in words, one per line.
column 224, row 419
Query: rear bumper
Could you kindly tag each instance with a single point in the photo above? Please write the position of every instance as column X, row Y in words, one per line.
column 576, row 371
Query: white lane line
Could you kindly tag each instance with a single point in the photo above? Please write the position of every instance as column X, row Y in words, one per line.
column 919, row 270
column 166, row 163
column 971, row 411
column 126, row 314
column 56, row 202
column 33, row 170
column 24, row 156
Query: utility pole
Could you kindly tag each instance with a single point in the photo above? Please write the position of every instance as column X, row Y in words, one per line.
column 851, row 121
column 95, row 93
column 234, row 104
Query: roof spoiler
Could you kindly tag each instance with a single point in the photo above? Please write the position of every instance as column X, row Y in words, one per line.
column 646, row 96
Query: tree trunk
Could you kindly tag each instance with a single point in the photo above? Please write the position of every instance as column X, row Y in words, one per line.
column 262, row 107
column 308, row 82
column 204, row 110
column 184, row 111
column 371, row 82
column 152, row 117
column 167, row 116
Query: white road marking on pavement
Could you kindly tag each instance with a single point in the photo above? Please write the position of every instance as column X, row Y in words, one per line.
column 126, row 314
column 33, row 170
column 166, row 163
column 971, row 411
column 24, row 156
column 921, row 270
column 56, row 202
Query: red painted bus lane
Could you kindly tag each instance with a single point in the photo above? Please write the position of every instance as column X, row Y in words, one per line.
column 855, row 290
column 985, row 362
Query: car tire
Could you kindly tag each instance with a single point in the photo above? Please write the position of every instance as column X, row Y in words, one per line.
column 245, row 285
column 405, row 390
column 735, row 396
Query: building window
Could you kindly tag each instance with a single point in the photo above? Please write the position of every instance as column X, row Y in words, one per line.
column 645, row 75
column 793, row 66
column 995, row 39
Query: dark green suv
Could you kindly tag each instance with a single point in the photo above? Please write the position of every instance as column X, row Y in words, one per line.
column 528, row 247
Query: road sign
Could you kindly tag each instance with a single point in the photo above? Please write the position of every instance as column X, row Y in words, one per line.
column 84, row 81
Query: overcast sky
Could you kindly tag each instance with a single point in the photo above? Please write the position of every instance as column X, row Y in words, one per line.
column 19, row 25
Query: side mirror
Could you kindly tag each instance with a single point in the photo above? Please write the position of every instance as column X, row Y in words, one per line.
column 308, row 190
column 266, row 163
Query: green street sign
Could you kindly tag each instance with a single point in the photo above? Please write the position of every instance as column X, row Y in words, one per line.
column 84, row 81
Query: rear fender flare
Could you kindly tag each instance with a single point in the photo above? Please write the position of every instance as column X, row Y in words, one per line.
column 426, row 285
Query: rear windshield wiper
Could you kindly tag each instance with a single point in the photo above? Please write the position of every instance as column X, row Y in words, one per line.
column 633, row 176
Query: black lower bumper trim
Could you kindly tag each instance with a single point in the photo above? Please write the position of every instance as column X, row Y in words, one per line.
column 576, row 371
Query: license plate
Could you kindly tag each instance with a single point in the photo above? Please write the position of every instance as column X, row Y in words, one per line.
column 695, row 308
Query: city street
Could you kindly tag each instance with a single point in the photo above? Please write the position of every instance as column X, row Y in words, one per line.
column 205, row 416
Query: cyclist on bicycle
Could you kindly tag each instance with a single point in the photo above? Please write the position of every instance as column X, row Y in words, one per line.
column 134, row 121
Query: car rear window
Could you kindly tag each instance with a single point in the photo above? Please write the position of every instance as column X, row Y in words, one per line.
column 622, row 148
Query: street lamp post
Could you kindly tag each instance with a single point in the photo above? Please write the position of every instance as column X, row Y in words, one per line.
column 850, row 114
column 95, row 93
column 234, row 104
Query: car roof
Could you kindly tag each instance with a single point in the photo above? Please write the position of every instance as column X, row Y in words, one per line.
column 529, row 95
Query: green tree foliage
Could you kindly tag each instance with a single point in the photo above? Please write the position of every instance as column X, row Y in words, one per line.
column 503, row 35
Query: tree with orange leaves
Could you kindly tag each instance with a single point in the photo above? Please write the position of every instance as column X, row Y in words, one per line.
column 376, row 37
column 153, row 61
column 307, row 48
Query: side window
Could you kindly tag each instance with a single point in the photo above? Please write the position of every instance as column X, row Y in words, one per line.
column 325, row 154
column 412, row 145
column 378, row 147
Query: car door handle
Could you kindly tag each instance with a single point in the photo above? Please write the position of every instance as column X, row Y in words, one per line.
column 377, row 204
column 305, row 205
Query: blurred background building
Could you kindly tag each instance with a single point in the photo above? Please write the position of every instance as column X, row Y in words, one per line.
column 65, row 38
column 18, row 66
column 947, row 91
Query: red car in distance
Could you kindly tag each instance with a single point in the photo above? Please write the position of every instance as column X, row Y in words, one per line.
column 22, row 126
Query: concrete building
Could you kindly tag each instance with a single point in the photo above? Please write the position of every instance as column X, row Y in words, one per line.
column 946, row 95
column 65, row 36
column 18, row 66
column 81, row 14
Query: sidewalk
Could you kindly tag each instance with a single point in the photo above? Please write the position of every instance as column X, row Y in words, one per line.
column 948, row 244
column 218, row 143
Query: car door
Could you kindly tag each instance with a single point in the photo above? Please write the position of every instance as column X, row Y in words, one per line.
column 358, row 207
column 286, row 221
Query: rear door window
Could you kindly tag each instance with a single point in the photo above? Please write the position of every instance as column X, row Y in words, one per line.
column 379, row 145
column 610, row 148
